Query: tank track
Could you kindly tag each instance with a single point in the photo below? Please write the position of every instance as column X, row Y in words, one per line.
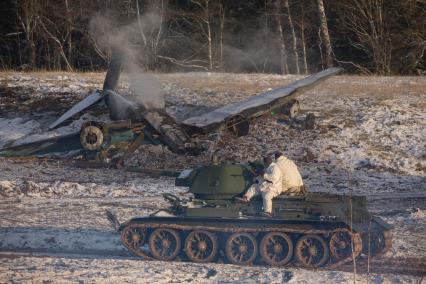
column 332, row 262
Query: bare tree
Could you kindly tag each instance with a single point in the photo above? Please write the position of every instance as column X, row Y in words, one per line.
column 192, row 32
column 28, row 15
column 283, row 49
column 325, row 34
column 151, row 30
column 374, row 36
column 222, row 15
column 293, row 36
column 205, row 24
column 302, row 32
column 54, row 31
column 367, row 21
column 69, row 27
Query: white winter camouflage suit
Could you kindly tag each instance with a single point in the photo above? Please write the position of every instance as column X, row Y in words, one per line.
column 269, row 186
column 291, row 179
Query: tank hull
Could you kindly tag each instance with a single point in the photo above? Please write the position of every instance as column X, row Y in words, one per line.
column 221, row 230
column 310, row 230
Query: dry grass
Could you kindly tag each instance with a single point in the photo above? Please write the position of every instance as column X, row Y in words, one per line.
column 249, row 84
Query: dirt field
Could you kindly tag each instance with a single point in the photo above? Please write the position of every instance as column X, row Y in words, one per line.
column 369, row 138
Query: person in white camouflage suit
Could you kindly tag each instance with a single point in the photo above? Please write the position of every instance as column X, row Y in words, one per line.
column 268, row 185
column 291, row 179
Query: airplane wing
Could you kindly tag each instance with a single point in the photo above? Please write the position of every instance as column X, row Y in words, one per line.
column 256, row 105
column 69, row 144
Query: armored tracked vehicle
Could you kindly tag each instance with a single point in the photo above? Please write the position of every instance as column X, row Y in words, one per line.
column 310, row 230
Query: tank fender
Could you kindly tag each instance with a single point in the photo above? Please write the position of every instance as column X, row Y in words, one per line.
column 376, row 224
column 384, row 226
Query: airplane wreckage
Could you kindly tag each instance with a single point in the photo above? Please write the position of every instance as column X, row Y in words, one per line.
column 134, row 124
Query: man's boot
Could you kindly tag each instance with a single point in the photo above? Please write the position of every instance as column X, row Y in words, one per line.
column 241, row 199
column 265, row 214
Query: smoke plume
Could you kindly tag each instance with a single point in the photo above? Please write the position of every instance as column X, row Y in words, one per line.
column 128, row 41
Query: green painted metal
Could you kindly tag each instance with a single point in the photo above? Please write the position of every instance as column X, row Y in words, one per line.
column 117, row 136
column 215, row 186
column 220, row 181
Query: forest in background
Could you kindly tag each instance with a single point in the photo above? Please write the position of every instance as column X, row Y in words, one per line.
column 266, row 36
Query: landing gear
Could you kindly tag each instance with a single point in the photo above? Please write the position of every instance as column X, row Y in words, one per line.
column 241, row 248
column 276, row 248
column 92, row 136
column 312, row 251
column 294, row 109
column 238, row 125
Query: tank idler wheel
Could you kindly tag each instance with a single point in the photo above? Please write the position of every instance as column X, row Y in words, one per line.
column 241, row 248
column 340, row 245
column 201, row 246
column 164, row 244
column 276, row 248
column 133, row 237
column 312, row 251
column 377, row 243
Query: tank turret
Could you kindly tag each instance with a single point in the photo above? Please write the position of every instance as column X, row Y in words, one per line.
column 312, row 229
column 216, row 181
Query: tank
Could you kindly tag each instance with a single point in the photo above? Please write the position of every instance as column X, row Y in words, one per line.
column 309, row 230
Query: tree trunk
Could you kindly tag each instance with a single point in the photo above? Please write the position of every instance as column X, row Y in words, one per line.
column 69, row 28
column 293, row 35
column 209, row 36
column 31, row 50
column 325, row 34
column 222, row 26
column 266, row 34
column 27, row 14
column 283, row 50
column 302, row 30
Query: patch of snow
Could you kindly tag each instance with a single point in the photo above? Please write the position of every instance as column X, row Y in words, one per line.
column 15, row 129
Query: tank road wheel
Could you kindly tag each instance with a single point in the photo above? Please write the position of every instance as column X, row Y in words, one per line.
column 164, row 244
column 241, row 248
column 133, row 237
column 276, row 248
column 341, row 245
column 377, row 243
column 201, row 246
column 312, row 251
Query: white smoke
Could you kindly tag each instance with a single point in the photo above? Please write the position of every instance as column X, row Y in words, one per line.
column 129, row 42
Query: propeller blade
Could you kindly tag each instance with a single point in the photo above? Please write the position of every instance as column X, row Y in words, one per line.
column 114, row 69
column 119, row 107
column 80, row 106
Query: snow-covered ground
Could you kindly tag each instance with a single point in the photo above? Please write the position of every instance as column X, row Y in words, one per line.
column 369, row 138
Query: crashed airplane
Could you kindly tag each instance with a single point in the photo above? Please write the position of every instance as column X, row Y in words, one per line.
column 136, row 124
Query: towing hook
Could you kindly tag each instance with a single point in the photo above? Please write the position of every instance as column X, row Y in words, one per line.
column 113, row 220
